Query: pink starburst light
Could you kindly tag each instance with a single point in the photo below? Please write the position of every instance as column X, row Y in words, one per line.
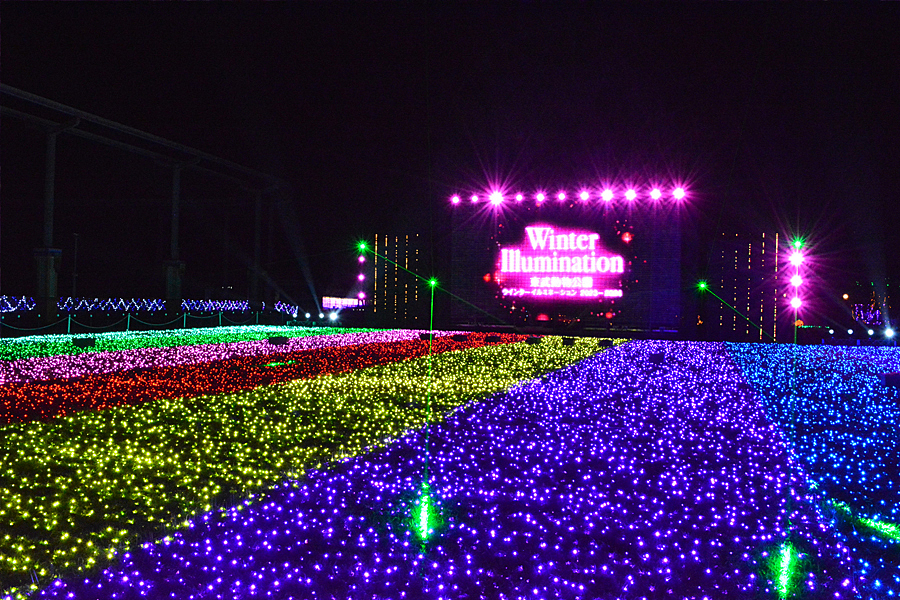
column 519, row 197
column 678, row 193
column 655, row 194
column 796, row 281
column 584, row 195
column 796, row 302
column 540, row 197
column 607, row 195
column 361, row 277
column 630, row 195
column 496, row 198
column 561, row 195
column 362, row 258
column 796, row 259
column 361, row 296
column 474, row 198
column 455, row 199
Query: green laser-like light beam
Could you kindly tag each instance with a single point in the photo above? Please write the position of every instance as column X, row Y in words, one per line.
column 280, row 364
column 888, row 530
column 785, row 570
column 424, row 518
column 705, row 287
column 884, row 528
column 435, row 285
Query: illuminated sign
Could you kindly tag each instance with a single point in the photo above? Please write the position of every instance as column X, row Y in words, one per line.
column 330, row 302
column 557, row 263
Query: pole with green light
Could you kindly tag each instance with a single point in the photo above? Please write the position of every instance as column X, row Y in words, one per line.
column 423, row 518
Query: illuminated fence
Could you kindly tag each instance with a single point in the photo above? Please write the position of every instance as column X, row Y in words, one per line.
column 14, row 304
column 288, row 309
column 10, row 304
column 110, row 304
column 215, row 305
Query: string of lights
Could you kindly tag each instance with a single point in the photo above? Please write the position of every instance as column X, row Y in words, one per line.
column 605, row 194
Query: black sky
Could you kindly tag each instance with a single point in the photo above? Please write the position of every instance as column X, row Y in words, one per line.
column 777, row 115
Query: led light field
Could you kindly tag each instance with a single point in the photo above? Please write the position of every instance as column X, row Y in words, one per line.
column 649, row 470
column 76, row 490
column 610, row 478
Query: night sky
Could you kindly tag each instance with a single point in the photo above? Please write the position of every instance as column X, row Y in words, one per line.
column 778, row 118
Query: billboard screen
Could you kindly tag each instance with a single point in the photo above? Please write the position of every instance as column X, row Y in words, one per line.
column 595, row 264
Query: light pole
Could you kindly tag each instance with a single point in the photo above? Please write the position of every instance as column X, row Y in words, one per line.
column 796, row 259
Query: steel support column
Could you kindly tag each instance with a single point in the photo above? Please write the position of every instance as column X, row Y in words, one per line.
column 174, row 266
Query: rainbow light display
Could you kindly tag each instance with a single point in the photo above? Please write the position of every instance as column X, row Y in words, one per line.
column 715, row 473
column 78, row 491
column 69, row 366
column 53, row 345
column 210, row 375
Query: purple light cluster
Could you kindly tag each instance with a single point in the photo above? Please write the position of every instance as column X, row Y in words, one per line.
column 68, row 366
column 626, row 475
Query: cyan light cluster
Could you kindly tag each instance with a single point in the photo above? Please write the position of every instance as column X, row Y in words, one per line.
column 841, row 423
